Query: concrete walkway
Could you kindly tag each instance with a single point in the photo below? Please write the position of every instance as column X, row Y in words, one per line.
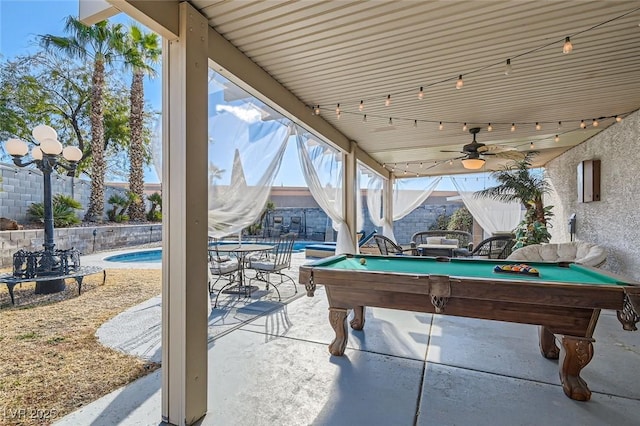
column 405, row 368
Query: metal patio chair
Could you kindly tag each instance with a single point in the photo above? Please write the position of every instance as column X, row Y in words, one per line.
column 275, row 261
column 388, row 247
column 221, row 267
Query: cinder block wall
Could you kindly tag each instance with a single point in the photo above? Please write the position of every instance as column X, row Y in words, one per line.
column 83, row 239
column 20, row 187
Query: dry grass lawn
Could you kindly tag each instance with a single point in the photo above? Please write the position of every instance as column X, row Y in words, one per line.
column 50, row 360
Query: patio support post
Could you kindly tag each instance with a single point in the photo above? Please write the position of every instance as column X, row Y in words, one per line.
column 350, row 185
column 184, row 273
column 387, row 203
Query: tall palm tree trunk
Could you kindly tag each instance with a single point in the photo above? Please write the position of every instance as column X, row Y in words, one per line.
column 95, row 211
column 136, row 147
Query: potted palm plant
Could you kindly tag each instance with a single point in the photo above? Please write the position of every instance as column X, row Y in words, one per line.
column 518, row 183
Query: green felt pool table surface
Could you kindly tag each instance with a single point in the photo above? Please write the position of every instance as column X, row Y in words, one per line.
column 471, row 268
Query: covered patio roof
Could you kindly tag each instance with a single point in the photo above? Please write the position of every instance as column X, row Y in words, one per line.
column 301, row 55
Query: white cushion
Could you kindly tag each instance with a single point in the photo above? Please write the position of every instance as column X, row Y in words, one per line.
column 450, row 242
column 577, row 251
column 224, row 267
column 434, row 240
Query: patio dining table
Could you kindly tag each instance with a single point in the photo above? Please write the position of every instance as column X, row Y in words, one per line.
column 241, row 251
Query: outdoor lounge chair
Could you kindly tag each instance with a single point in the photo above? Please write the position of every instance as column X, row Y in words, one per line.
column 388, row 247
column 275, row 261
column 497, row 247
column 276, row 227
column 295, row 225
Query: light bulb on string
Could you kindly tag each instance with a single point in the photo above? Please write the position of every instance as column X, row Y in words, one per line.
column 618, row 118
column 451, row 162
column 583, row 125
column 489, row 128
column 364, row 118
column 420, row 165
column 415, row 123
column 317, row 110
column 513, row 127
column 420, row 93
column 460, row 82
column 531, row 145
column 390, row 121
column 556, row 139
column 595, row 122
column 567, row 47
column 559, row 125
column 388, row 101
column 361, row 107
column 538, row 126
column 507, row 67
column 464, row 128
column 441, row 126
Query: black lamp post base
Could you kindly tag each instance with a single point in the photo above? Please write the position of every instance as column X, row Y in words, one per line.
column 50, row 286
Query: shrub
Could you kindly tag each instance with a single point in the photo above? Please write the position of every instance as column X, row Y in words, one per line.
column 461, row 220
column 64, row 211
column 155, row 215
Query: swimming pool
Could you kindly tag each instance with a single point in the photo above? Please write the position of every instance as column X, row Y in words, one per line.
column 155, row 256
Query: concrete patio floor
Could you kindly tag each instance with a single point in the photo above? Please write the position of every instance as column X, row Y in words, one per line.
column 404, row 368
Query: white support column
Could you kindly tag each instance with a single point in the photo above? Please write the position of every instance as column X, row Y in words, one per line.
column 387, row 200
column 184, row 277
column 349, row 183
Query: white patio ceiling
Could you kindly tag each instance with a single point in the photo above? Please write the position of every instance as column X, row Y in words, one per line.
column 343, row 52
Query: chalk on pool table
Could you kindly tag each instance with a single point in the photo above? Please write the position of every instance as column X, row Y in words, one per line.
column 363, row 261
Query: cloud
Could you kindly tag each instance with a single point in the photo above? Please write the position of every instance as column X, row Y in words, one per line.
column 247, row 112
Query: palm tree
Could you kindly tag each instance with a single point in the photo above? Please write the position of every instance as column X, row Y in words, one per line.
column 517, row 183
column 142, row 52
column 100, row 43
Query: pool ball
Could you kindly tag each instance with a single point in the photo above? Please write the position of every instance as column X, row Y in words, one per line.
column 363, row 261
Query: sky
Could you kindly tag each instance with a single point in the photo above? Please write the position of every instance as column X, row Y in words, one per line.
column 21, row 21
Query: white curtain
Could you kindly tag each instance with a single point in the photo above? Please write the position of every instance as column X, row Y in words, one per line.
column 156, row 148
column 246, row 143
column 492, row 215
column 408, row 194
column 322, row 168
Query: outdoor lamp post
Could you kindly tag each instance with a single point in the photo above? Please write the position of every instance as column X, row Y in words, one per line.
column 46, row 156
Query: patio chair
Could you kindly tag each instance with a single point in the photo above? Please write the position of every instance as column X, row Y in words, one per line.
column 295, row 225
column 276, row 261
column 387, row 247
column 220, row 267
column 276, row 227
column 496, row 247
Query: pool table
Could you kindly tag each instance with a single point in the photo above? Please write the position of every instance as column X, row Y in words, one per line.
column 564, row 300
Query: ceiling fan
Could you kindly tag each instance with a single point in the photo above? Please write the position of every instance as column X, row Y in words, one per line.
column 475, row 150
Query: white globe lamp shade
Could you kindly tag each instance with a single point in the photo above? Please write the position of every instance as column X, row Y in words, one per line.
column 36, row 153
column 50, row 146
column 16, row 147
column 42, row 132
column 72, row 153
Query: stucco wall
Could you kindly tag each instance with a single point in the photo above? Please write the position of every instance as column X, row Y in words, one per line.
column 613, row 222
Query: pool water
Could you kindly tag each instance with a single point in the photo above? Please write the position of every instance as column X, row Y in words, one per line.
column 155, row 256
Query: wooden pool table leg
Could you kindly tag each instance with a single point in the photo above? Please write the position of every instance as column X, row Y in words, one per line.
column 357, row 323
column 548, row 345
column 575, row 354
column 338, row 320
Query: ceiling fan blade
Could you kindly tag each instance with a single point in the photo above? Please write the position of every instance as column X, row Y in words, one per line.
column 511, row 155
column 495, row 148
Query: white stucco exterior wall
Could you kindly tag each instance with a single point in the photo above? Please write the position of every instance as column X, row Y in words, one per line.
column 613, row 222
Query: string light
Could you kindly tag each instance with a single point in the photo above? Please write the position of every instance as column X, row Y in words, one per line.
column 338, row 111
column 538, row 126
column 390, row 121
column 531, row 145
column 441, row 126
column 459, row 83
column 361, row 107
column 583, row 125
column 420, row 165
column 388, row 101
column 489, row 128
column 618, row 118
column 559, row 125
column 421, row 94
column 415, row 123
column 595, row 122
column 513, row 127
column 318, row 110
column 507, row 67
column 450, row 162
column 464, row 128
column 567, row 47
column 556, row 139
column 364, row 118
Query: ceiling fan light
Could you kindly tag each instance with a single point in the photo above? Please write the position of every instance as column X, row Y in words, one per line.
column 472, row 163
